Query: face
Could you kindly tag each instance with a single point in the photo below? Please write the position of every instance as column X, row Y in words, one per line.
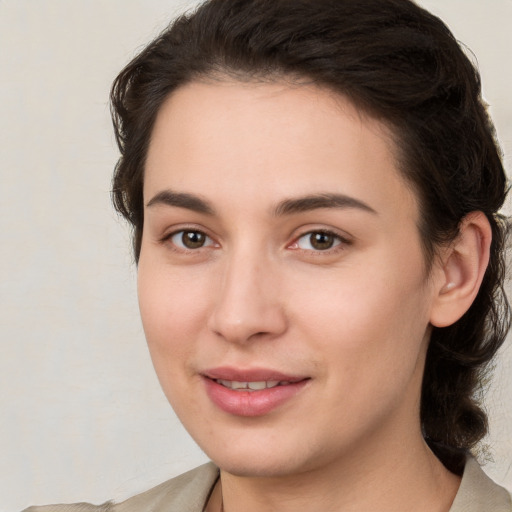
column 282, row 284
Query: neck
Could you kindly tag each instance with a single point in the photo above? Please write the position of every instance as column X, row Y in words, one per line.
column 404, row 476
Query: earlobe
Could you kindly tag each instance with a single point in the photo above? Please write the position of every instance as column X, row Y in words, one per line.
column 461, row 270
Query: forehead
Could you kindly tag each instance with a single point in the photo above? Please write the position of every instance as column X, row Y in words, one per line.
column 272, row 140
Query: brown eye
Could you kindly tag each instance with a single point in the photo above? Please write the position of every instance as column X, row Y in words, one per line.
column 188, row 239
column 193, row 239
column 318, row 241
column 321, row 241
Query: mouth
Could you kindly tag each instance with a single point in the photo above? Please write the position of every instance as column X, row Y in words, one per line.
column 258, row 385
column 255, row 379
column 251, row 392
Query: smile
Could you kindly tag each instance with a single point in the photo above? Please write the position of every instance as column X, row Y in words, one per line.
column 251, row 392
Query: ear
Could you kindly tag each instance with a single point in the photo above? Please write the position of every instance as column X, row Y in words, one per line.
column 461, row 270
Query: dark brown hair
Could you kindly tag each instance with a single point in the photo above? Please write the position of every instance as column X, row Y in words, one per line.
column 397, row 62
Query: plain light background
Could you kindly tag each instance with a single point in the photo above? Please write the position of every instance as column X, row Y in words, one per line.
column 82, row 415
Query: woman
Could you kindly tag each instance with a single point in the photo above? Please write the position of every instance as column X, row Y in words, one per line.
column 314, row 189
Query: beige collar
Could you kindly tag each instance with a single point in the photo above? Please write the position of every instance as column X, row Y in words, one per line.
column 478, row 493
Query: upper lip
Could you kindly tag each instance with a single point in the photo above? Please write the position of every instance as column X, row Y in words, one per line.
column 250, row 375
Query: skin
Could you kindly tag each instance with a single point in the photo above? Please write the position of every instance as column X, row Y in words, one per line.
column 355, row 318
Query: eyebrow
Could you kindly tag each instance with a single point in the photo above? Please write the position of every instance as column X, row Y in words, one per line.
column 286, row 207
column 317, row 201
column 181, row 200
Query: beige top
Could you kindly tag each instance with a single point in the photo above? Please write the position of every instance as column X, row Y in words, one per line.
column 190, row 491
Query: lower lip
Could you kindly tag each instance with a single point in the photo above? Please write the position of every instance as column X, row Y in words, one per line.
column 251, row 403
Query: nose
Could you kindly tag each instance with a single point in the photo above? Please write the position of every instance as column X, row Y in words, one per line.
column 248, row 304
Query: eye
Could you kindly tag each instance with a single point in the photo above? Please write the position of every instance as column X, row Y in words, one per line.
column 318, row 241
column 191, row 239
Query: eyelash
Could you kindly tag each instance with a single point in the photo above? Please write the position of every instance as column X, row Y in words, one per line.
column 340, row 242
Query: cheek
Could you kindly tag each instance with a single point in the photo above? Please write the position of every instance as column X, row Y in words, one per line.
column 173, row 312
column 368, row 320
column 172, row 315
column 372, row 350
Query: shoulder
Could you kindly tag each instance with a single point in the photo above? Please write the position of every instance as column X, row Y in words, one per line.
column 185, row 493
column 477, row 492
column 74, row 507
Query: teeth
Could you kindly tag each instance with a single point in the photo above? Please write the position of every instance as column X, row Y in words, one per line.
column 255, row 386
column 250, row 386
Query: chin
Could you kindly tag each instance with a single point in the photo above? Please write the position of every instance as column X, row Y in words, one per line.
column 265, row 460
column 262, row 468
